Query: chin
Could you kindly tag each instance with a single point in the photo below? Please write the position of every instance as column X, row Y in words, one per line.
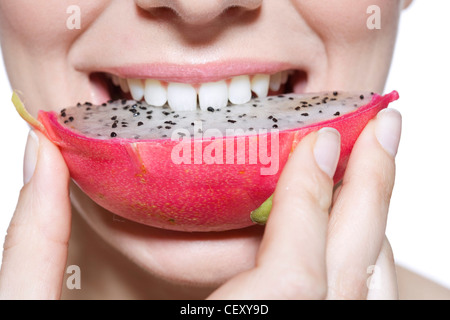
column 203, row 259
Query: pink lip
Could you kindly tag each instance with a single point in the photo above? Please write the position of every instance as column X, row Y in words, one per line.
column 196, row 73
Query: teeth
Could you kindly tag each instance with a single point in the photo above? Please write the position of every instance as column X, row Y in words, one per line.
column 155, row 93
column 239, row 90
column 136, row 88
column 181, row 96
column 275, row 82
column 124, row 85
column 260, row 85
column 213, row 94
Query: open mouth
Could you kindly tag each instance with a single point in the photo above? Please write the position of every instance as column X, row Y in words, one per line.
column 191, row 96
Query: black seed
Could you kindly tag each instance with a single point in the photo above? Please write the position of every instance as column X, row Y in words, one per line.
column 140, row 123
column 210, row 109
column 115, row 109
column 166, row 113
column 136, row 114
column 114, row 125
column 297, row 108
column 291, row 98
column 63, row 114
column 88, row 104
column 280, row 96
column 251, row 129
column 78, row 104
column 113, row 134
column 164, row 135
column 71, row 119
column 67, row 121
column 228, row 110
column 372, row 93
column 305, row 114
column 126, row 107
column 124, row 126
column 176, row 116
column 361, row 97
column 232, row 121
column 335, row 93
column 337, row 114
column 150, row 112
column 275, row 126
column 168, row 127
column 275, row 120
column 142, row 108
column 317, row 103
column 149, row 117
column 192, row 124
column 159, row 127
column 304, row 102
column 88, row 109
column 114, row 118
column 320, row 111
column 270, row 117
column 333, row 99
column 254, row 105
column 104, row 104
column 85, row 118
column 314, row 98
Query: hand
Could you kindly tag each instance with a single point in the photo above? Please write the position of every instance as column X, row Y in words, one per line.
column 318, row 244
column 36, row 246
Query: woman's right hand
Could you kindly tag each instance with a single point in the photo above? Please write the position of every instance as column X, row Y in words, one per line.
column 36, row 246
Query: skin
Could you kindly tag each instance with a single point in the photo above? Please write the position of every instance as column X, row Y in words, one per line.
column 316, row 255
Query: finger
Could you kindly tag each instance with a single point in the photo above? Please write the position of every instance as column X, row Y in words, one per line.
column 291, row 260
column 359, row 214
column 382, row 284
column 35, row 248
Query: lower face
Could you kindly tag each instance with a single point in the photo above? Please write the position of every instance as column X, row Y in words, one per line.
column 135, row 48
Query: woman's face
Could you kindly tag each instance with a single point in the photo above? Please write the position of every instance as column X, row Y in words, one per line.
column 57, row 58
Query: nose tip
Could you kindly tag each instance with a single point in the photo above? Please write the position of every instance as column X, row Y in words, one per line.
column 198, row 12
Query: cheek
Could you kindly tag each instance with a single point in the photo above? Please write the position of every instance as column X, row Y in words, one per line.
column 346, row 20
column 44, row 24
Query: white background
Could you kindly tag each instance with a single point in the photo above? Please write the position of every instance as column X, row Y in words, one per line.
column 419, row 220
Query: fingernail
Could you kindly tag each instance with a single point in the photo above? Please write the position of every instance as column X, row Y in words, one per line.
column 31, row 153
column 327, row 150
column 388, row 130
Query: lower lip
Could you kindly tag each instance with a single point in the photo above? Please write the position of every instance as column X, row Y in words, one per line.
column 208, row 72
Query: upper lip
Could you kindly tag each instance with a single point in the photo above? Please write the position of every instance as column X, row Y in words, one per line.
column 194, row 73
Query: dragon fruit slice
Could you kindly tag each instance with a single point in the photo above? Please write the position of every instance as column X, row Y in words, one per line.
column 196, row 171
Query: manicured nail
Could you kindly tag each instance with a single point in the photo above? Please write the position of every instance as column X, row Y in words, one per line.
column 327, row 150
column 31, row 153
column 388, row 130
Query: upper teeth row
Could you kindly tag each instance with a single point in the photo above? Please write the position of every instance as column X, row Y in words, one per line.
column 184, row 97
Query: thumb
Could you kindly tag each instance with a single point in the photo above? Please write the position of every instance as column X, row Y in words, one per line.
column 35, row 248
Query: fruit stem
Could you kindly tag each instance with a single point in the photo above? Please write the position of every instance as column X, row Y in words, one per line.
column 261, row 214
column 20, row 107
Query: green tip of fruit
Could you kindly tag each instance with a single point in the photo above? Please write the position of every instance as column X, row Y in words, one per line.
column 261, row 214
column 20, row 107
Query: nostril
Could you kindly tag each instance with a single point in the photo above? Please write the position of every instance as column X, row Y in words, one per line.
column 197, row 12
